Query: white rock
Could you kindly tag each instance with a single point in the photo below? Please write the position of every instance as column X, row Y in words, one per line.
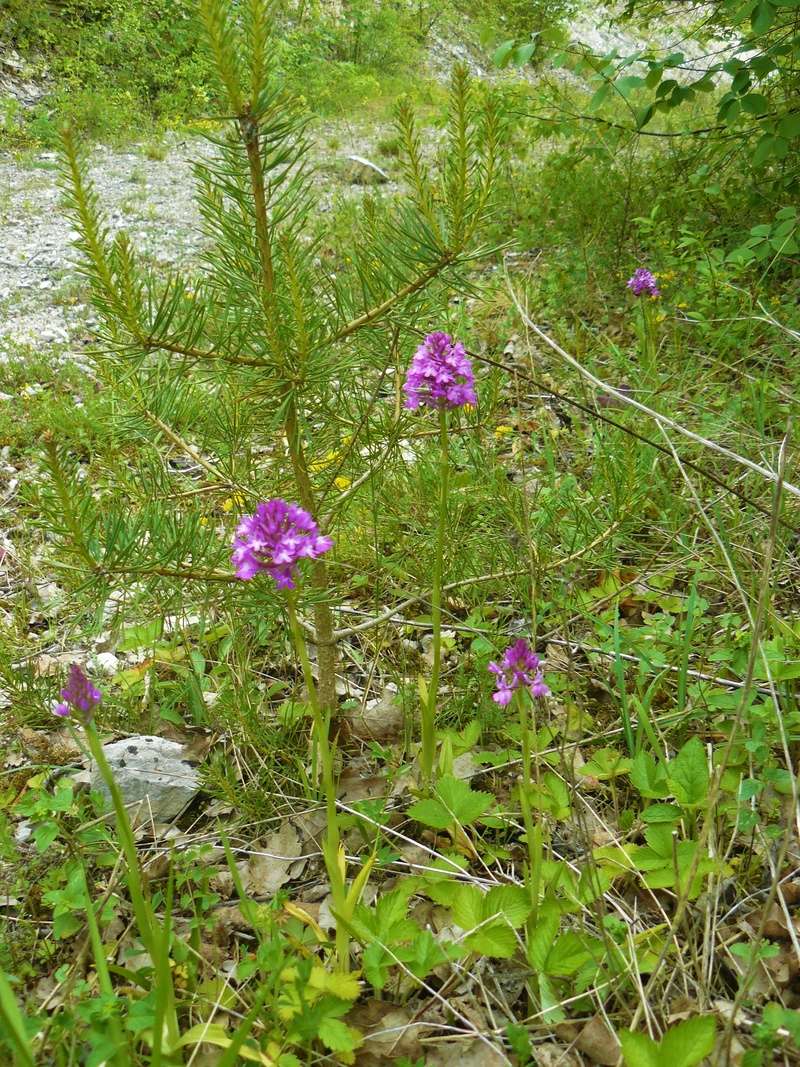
column 152, row 773
column 105, row 663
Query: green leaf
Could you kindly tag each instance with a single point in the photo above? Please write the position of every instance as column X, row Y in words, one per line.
column 552, row 796
column 688, row 774
column 338, row 1036
column 142, row 636
column 754, row 104
column 599, row 96
column 606, row 763
column 567, row 955
column 377, row 964
column 648, row 776
column 689, row 1042
column 639, row 1050
column 45, row 834
column 524, row 53
column 540, row 943
column 454, row 802
column 643, row 115
column 426, row 953
column 661, row 813
column 511, row 901
column 502, row 54
column 494, row 939
column 762, row 17
column 431, row 812
column 789, row 126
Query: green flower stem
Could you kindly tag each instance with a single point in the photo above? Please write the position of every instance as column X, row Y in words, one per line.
column 533, row 831
column 648, row 335
column 332, row 849
column 429, row 708
column 143, row 913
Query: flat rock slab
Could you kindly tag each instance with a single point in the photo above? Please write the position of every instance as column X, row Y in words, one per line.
column 151, row 772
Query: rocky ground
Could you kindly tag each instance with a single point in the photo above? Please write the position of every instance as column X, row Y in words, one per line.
column 42, row 301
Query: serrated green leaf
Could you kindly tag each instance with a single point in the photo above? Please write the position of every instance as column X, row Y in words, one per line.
column 454, row 802
column 431, row 812
column 495, row 939
column 511, row 901
column 338, row 1036
column 567, row 955
column 686, row 1044
column 688, row 774
column 638, row 1050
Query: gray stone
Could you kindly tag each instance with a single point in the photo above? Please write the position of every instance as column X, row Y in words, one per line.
column 155, row 777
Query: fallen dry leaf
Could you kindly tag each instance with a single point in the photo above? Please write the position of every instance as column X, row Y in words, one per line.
column 378, row 720
column 599, row 1042
column 388, row 1036
column 270, row 867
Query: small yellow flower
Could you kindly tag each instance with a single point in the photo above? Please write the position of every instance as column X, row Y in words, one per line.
column 204, row 520
column 502, row 431
column 469, row 408
column 682, row 305
column 329, row 458
column 342, row 482
column 231, row 502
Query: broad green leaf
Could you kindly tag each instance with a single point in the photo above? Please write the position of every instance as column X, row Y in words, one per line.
column 567, row 955
column 762, row 17
column 377, row 964
column 754, row 104
column 606, row 763
column 338, row 1036
column 431, row 812
column 552, row 796
column 45, row 834
column 511, row 901
column 686, row 1044
column 540, row 943
column 216, row 1034
column 648, row 777
column 661, row 813
column 454, row 802
column 524, row 53
column 494, row 939
column 502, row 54
column 688, row 774
column 639, row 1050
column 467, row 906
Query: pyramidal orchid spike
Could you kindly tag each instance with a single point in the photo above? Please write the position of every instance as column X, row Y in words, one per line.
column 274, row 539
column 440, row 375
column 79, row 696
column 520, row 668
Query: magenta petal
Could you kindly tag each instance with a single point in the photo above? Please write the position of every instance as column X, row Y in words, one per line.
column 274, row 539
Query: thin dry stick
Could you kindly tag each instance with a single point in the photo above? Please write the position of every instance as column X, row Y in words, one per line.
column 661, row 420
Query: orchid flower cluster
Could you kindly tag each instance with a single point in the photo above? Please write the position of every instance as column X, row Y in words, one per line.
column 274, row 539
column 440, row 375
column 520, row 668
column 643, row 282
column 78, row 695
